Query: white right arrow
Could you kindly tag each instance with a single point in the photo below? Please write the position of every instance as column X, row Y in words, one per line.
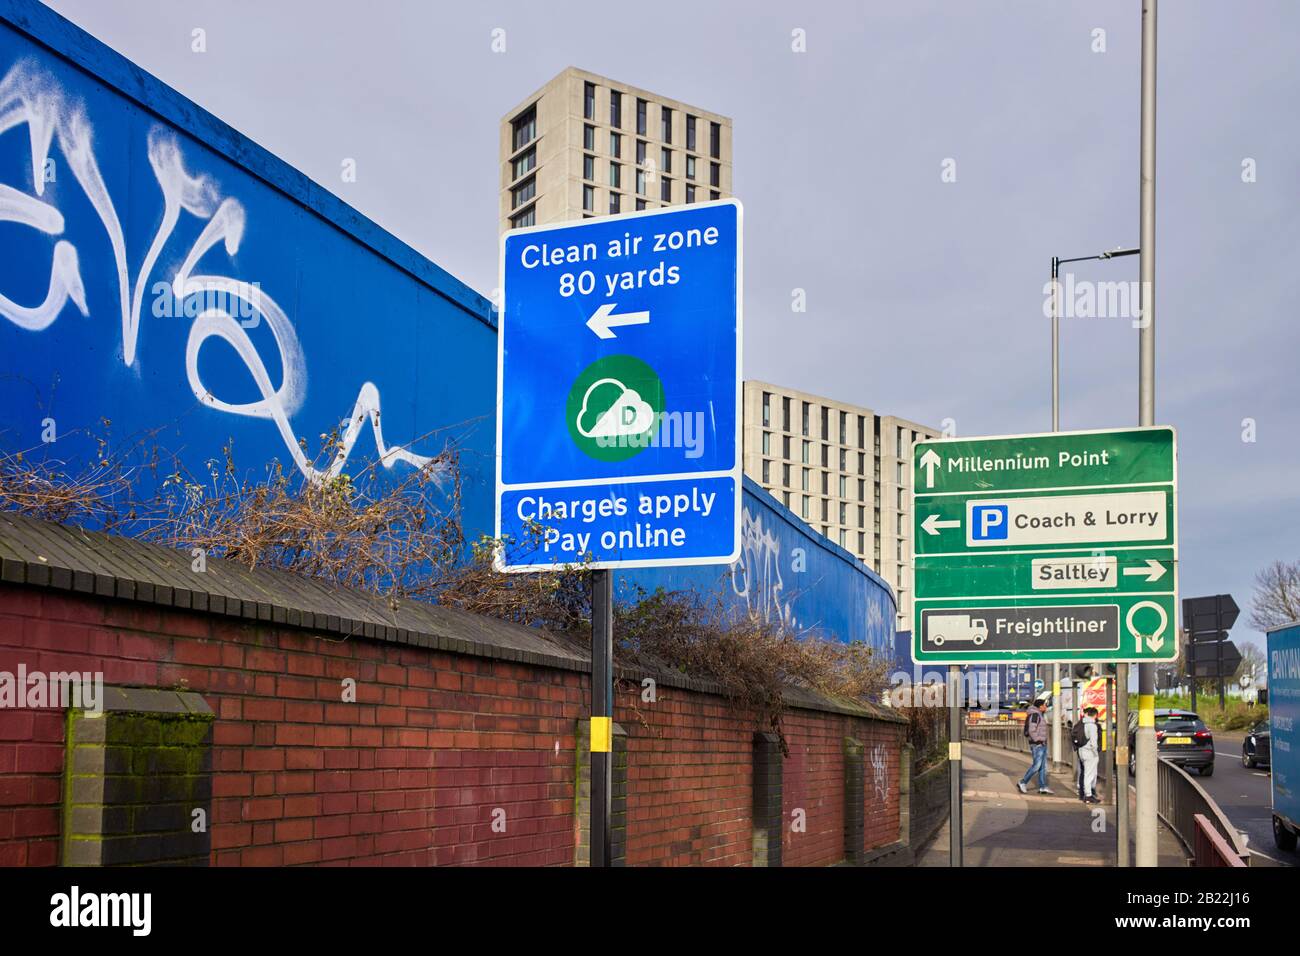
column 603, row 321
column 932, row 524
column 928, row 461
column 1154, row 571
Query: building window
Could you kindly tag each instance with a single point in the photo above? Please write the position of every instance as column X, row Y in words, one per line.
column 826, row 456
column 862, row 432
column 589, row 198
column 714, row 194
column 807, row 480
column 526, row 218
column 524, row 128
column 640, row 117
column 785, row 415
column 588, row 136
column 690, row 167
column 640, row 182
column 826, row 512
column 844, row 487
column 715, row 140
column 715, row 174
column 807, row 452
column 640, row 152
column 767, row 409
column 589, row 100
column 862, row 542
column 826, row 424
column 806, row 417
column 805, row 510
column 844, row 428
column 690, row 193
column 767, row 472
column 615, row 145
column 615, row 109
column 615, row 175
column 826, row 482
column 589, row 168
column 785, row 447
column 690, row 132
column 666, row 160
column 523, row 164
column 640, row 203
column 667, row 116
column 785, row 475
column 862, row 463
column 862, row 516
column 844, row 538
column 844, row 513
column 665, row 189
column 523, row 193
column 767, row 443
column 615, row 202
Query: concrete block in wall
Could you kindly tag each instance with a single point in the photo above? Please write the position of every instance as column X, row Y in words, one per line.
column 138, row 780
column 854, row 802
column 767, row 803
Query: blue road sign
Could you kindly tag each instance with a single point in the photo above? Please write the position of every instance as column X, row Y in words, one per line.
column 618, row 405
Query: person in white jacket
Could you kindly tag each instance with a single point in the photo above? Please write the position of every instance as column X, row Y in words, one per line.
column 1089, row 755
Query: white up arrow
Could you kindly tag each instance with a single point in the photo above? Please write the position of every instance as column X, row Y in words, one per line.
column 928, row 461
column 932, row 524
column 603, row 321
column 1154, row 571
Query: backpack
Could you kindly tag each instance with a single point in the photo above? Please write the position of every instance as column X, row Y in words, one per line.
column 1032, row 717
column 1079, row 735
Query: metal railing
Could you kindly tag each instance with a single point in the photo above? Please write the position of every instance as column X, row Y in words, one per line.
column 1196, row 820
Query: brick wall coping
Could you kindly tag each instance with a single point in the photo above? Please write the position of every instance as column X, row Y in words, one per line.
column 45, row 554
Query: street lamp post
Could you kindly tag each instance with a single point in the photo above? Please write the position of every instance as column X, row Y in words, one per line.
column 1121, row 670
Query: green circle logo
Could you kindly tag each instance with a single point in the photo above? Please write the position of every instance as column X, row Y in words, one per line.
column 614, row 407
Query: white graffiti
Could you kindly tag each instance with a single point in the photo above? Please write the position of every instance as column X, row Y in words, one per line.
column 880, row 771
column 31, row 98
column 756, row 575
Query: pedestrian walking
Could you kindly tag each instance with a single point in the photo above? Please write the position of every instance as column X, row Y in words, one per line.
column 1085, row 736
column 1036, row 732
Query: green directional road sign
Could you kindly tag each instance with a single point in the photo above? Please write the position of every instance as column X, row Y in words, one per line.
column 1053, row 547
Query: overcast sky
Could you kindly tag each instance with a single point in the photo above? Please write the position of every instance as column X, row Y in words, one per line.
column 924, row 297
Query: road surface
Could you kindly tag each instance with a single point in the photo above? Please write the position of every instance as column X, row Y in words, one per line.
column 1244, row 796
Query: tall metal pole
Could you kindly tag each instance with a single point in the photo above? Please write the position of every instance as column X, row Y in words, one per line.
column 954, row 765
column 602, row 716
column 1120, row 749
column 1147, row 854
column 1056, row 427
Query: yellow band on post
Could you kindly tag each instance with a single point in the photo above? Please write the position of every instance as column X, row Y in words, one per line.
column 954, row 750
column 1146, row 710
column 602, row 733
column 1056, row 688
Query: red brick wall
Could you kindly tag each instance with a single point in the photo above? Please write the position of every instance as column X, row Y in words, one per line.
column 410, row 773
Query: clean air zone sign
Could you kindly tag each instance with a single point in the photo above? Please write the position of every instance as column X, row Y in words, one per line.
column 1053, row 547
column 618, row 412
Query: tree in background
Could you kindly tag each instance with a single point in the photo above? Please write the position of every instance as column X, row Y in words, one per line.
column 1277, row 595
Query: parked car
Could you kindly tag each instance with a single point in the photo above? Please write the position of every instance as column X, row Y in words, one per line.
column 1255, row 749
column 1181, row 738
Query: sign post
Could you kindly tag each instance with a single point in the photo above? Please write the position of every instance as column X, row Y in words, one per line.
column 1053, row 547
column 618, row 413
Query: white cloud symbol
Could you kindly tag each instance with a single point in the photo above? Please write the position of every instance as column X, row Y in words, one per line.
column 629, row 415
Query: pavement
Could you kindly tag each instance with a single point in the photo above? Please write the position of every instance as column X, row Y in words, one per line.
column 1245, row 797
column 1003, row 827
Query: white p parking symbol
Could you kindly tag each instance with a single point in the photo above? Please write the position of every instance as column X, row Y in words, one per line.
column 991, row 518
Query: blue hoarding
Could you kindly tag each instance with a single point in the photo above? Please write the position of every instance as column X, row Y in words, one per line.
column 165, row 280
column 618, row 422
column 790, row 576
